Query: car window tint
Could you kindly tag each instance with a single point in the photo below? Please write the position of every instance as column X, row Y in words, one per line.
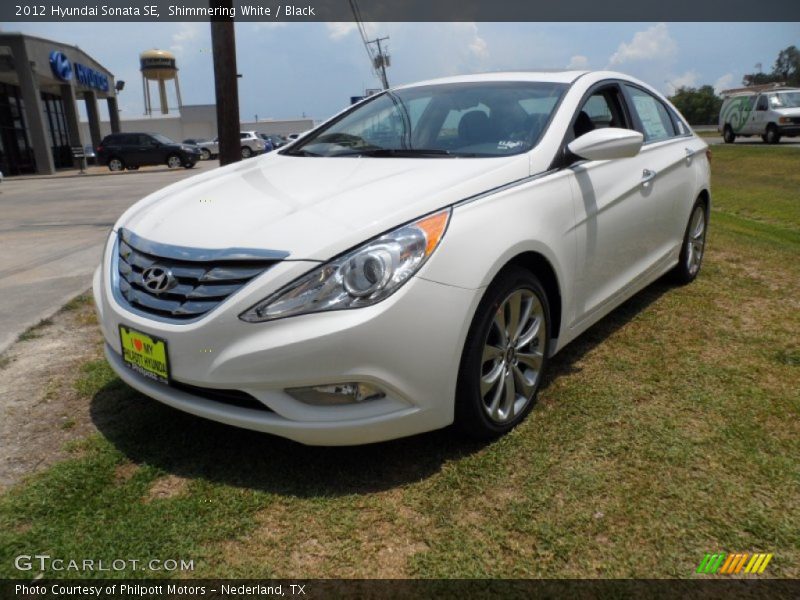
column 653, row 114
column 762, row 103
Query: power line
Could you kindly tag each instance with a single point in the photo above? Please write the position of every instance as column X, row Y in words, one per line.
column 376, row 62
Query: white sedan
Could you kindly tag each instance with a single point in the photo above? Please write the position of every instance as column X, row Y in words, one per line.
column 412, row 262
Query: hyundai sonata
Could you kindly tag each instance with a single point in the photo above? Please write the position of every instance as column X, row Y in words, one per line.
column 414, row 261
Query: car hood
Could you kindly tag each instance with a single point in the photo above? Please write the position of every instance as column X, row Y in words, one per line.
column 311, row 207
column 788, row 112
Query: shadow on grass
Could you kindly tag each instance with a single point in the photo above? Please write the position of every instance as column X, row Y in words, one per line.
column 148, row 432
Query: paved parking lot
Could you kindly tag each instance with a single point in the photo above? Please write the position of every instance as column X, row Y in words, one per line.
column 52, row 230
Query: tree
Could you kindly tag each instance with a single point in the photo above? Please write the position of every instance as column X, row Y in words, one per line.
column 700, row 106
column 785, row 70
column 787, row 65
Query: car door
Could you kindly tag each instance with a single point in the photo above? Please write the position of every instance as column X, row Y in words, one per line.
column 760, row 116
column 669, row 153
column 615, row 209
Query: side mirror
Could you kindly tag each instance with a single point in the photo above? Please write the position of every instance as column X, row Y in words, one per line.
column 607, row 144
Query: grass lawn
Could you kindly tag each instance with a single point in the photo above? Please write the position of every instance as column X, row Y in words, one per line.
column 670, row 429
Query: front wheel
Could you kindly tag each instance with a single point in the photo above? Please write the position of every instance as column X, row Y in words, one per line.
column 694, row 244
column 174, row 161
column 772, row 135
column 727, row 135
column 504, row 356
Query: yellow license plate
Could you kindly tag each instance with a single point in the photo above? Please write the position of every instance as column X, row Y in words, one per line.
column 145, row 354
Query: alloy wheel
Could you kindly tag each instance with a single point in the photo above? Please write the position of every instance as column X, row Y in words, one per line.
column 513, row 354
column 696, row 240
column 173, row 162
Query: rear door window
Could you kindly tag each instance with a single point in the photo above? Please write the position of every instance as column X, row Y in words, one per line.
column 653, row 115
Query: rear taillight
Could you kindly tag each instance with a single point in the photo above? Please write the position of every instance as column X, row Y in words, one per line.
column 708, row 154
column 100, row 148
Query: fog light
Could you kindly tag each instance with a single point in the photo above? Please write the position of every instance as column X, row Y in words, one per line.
column 336, row 393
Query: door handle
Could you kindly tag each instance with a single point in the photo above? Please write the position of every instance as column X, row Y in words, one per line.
column 647, row 177
column 689, row 155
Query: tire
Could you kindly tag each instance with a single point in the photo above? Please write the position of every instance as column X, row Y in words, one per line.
column 205, row 154
column 497, row 387
column 693, row 245
column 727, row 135
column 174, row 161
column 772, row 135
column 115, row 163
column 246, row 152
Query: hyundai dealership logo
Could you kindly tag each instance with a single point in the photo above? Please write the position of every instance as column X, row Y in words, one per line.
column 60, row 65
column 63, row 69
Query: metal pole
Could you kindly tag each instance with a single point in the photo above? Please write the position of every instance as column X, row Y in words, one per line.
column 223, row 43
column 383, row 64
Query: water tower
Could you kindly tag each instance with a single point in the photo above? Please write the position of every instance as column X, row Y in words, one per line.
column 158, row 65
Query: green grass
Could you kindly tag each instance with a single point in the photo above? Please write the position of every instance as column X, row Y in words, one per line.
column 34, row 331
column 670, row 429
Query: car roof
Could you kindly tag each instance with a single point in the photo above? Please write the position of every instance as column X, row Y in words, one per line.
column 546, row 76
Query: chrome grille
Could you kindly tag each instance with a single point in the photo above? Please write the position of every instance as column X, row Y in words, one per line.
column 199, row 279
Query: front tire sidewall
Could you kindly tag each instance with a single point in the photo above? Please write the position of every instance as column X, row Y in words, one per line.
column 728, row 135
column 470, row 417
column 174, row 161
column 772, row 136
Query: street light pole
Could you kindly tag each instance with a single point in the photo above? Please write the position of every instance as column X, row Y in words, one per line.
column 226, row 86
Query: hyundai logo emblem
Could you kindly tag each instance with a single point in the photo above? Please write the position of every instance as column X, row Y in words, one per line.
column 158, row 280
column 60, row 65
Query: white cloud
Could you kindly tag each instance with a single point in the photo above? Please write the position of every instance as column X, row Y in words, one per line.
column 688, row 79
column 578, row 62
column 654, row 43
column 723, row 83
column 186, row 36
column 338, row 31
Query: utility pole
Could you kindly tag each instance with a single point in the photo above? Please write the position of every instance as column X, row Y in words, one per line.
column 381, row 61
column 226, row 85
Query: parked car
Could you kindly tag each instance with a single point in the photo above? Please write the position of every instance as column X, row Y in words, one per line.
column 208, row 148
column 771, row 113
column 252, row 144
column 277, row 140
column 268, row 145
column 133, row 150
column 341, row 291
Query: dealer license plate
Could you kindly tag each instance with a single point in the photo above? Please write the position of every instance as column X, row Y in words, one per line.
column 145, row 354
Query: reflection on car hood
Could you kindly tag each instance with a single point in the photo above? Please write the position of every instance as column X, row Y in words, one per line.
column 313, row 208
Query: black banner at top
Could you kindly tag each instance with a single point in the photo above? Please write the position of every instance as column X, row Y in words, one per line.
column 401, row 10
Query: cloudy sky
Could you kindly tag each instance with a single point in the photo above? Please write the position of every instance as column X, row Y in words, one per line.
column 295, row 69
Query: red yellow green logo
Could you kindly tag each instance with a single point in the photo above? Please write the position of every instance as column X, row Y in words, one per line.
column 733, row 564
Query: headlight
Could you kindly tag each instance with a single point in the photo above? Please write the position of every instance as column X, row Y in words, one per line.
column 361, row 277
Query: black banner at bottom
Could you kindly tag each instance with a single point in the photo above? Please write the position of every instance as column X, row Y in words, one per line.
column 460, row 589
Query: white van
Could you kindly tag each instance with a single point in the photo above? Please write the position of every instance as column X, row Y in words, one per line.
column 770, row 113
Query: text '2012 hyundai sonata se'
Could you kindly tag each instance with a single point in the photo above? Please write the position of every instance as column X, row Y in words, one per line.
column 412, row 262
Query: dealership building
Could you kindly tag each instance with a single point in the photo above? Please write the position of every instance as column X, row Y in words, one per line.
column 41, row 83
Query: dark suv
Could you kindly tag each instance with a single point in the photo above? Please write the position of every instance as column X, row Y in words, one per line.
column 133, row 150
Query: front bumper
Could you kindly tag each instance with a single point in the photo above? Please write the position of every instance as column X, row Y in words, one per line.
column 409, row 345
column 791, row 129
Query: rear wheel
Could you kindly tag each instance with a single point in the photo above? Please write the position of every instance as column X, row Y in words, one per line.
column 115, row 164
column 174, row 161
column 772, row 135
column 694, row 244
column 205, row 154
column 504, row 356
column 246, row 152
column 727, row 135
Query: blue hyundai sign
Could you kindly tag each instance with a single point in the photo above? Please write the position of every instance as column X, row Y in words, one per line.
column 60, row 65
column 64, row 69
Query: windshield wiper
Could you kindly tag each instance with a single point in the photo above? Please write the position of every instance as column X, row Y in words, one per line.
column 300, row 152
column 401, row 152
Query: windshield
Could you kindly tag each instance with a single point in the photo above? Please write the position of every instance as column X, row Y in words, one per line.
column 785, row 100
column 450, row 120
column 162, row 138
